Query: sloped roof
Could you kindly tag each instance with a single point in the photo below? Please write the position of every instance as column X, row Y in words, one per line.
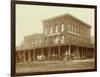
column 67, row 15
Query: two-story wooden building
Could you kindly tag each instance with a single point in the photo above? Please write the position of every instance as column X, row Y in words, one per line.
column 62, row 35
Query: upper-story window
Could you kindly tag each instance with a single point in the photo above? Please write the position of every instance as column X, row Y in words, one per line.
column 36, row 42
column 72, row 28
column 88, row 32
column 56, row 28
column 78, row 29
column 40, row 41
column 69, row 26
column 50, row 29
column 75, row 28
column 45, row 31
column 45, row 40
column 28, row 43
column 70, row 38
column 50, row 40
column 32, row 42
column 82, row 31
column 62, row 27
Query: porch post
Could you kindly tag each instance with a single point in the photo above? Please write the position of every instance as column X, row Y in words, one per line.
column 77, row 51
column 28, row 55
column 84, row 49
column 19, row 55
column 34, row 54
column 24, row 55
column 49, row 53
column 59, row 51
column 69, row 51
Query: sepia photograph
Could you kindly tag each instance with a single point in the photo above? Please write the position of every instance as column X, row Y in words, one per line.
column 54, row 38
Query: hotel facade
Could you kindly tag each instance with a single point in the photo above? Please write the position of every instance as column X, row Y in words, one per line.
column 62, row 35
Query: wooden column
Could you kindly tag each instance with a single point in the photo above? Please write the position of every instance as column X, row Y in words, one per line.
column 84, row 49
column 49, row 53
column 23, row 55
column 92, row 51
column 33, row 54
column 19, row 57
column 59, row 51
column 28, row 55
column 77, row 52
column 69, row 51
column 16, row 57
column 80, row 52
column 86, row 52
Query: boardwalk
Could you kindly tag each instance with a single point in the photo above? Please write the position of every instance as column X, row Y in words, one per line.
column 55, row 66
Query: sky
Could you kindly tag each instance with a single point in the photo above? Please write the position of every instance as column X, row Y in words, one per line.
column 29, row 18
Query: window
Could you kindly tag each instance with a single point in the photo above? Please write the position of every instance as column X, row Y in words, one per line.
column 75, row 28
column 56, row 28
column 45, row 31
column 72, row 28
column 78, row 29
column 50, row 40
column 28, row 43
column 70, row 38
column 45, row 40
column 36, row 41
column 50, row 29
column 88, row 31
column 40, row 41
column 32, row 42
column 62, row 27
column 83, row 31
column 62, row 39
column 56, row 40
column 69, row 26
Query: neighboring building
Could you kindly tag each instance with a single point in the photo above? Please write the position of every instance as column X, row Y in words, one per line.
column 92, row 40
column 61, row 35
column 34, row 40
